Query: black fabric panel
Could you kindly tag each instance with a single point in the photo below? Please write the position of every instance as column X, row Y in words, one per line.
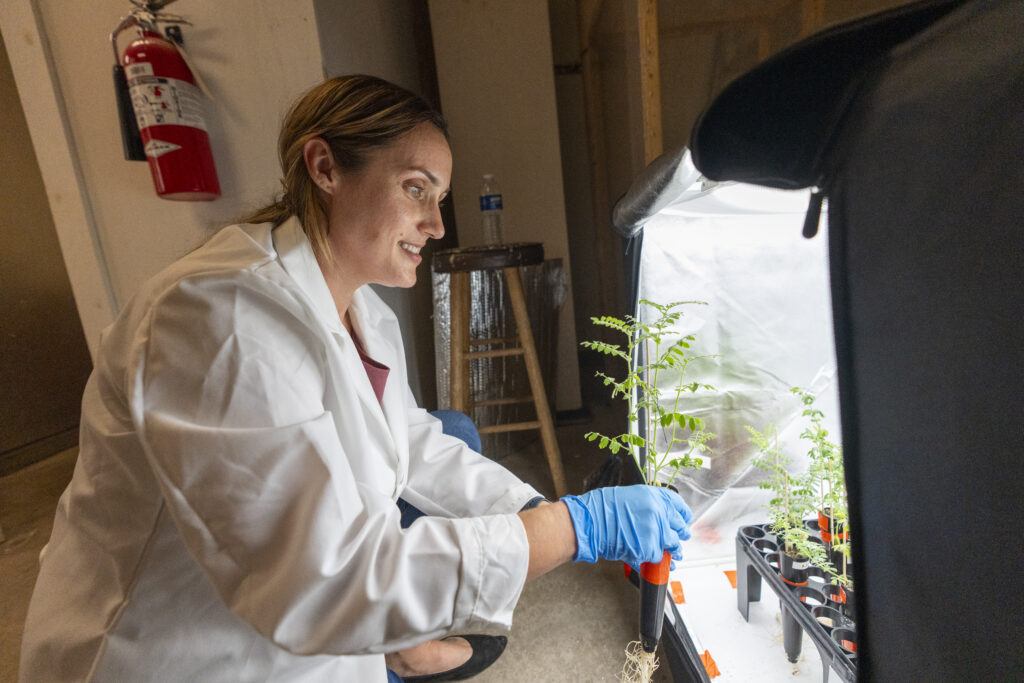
column 927, row 223
column 772, row 125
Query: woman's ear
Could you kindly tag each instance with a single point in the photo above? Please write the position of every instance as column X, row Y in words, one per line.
column 320, row 165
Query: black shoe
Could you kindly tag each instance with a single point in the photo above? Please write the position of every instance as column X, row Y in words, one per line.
column 486, row 650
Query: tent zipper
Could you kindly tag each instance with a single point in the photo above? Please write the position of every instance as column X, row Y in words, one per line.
column 813, row 217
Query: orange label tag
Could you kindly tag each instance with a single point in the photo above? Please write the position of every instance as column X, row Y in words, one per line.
column 731, row 575
column 709, row 664
column 677, row 592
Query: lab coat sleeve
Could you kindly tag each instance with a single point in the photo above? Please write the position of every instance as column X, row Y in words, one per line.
column 448, row 478
column 226, row 390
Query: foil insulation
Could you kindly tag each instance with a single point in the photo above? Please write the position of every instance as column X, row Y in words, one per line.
column 490, row 317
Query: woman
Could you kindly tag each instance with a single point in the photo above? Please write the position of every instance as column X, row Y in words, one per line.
column 233, row 513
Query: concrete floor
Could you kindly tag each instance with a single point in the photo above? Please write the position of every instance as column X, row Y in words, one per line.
column 570, row 625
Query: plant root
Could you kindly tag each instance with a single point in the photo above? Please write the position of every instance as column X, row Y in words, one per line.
column 640, row 665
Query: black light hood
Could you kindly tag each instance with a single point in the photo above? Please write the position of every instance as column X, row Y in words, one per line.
column 773, row 125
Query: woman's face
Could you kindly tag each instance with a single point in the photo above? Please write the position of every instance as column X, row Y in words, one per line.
column 383, row 215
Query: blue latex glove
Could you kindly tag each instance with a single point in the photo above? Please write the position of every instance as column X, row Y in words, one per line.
column 631, row 524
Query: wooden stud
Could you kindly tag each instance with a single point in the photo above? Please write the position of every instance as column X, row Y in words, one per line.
column 714, row 15
column 459, row 377
column 650, row 79
column 540, row 397
column 812, row 16
column 588, row 13
column 764, row 42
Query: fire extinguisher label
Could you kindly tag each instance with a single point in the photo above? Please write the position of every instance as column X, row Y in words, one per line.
column 164, row 101
column 155, row 148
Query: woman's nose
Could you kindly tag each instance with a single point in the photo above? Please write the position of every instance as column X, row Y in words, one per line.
column 433, row 226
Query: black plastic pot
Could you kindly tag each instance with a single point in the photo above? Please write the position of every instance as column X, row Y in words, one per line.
column 841, row 598
column 799, row 613
column 830, row 618
column 810, row 596
column 817, row 578
column 846, row 638
column 765, row 546
column 836, row 558
column 793, row 569
column 768, row 533
column 752, row 533
column 849, row 605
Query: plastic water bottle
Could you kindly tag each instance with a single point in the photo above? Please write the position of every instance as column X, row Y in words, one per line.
column 490, row 210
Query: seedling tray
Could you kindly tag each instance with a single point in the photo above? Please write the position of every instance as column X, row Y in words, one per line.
column 752, row 569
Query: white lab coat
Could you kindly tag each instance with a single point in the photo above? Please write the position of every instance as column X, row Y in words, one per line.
column 232, row 514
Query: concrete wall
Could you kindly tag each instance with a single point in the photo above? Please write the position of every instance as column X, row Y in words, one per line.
column 44, row 361
column 373, row 37
column 255, row 56
column 496, row 75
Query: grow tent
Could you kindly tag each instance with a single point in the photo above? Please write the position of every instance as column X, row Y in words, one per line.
column 910, row 122
column 766, row 328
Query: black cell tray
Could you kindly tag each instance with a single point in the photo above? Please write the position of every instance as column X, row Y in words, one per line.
column 751, row 569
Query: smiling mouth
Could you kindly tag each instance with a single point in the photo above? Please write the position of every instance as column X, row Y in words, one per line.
column 411, row 248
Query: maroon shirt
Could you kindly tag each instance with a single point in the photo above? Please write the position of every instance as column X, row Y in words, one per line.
column 376, row 372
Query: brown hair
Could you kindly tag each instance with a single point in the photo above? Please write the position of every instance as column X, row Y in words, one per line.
column 354, row 115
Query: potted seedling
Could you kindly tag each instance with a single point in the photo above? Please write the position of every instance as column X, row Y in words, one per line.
column 797, row 496
column 826, row 469
column 827, row 476
column 841, row 589
column 662, row 437
column 793, row 498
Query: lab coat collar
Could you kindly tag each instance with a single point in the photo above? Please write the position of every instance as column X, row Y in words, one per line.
column 300, row 263
column 297, row 259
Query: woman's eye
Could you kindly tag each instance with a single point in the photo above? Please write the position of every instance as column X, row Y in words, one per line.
column 416, row 192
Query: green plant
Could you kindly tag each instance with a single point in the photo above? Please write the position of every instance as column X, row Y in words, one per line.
column 793, row 495
column 659, row 438
column 823, row 487
column 828, row 478
column 840, row 515
column 826, row 458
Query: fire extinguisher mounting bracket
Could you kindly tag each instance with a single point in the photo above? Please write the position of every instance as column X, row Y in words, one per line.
column 152, row 6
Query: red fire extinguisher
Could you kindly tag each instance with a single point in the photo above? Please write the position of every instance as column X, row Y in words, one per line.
column 161, row 107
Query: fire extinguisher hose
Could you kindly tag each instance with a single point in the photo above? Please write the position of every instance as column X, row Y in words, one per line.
column 131, row 140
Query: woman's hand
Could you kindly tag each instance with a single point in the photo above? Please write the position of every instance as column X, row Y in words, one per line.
column 633, row 524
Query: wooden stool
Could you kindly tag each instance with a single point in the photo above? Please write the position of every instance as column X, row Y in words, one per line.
column 508, row 258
